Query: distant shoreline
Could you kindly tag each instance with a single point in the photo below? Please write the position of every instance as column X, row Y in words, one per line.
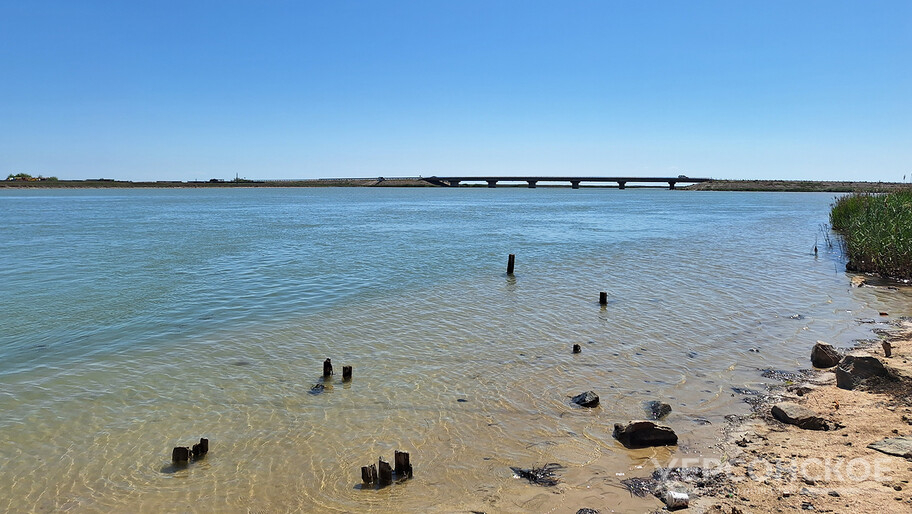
column 714, row 185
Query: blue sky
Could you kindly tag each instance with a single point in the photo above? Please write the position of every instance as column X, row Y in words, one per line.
column 194, row 90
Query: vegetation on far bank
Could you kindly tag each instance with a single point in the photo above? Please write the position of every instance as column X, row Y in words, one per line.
column 877, row 232
column 25, row 177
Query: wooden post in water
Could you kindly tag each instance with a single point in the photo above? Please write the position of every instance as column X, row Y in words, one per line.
column 369, row 474
column 384, row 473
column 180, row 455
column 603, row 298
column 511, row 260
column 346, row 373
column 327, row 368
column 577, row 348
column 201, row 448
column 403, row 467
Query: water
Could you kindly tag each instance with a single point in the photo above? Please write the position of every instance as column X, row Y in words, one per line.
column 139, row 320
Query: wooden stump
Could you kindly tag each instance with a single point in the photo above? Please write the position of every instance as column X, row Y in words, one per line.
column 180, row 455
column 511, row 260
column 201, row 448
column 577, row 348
column 346, row 373
column 369, row 474
column 888, row 348
column 327, row 368
column 403, row 467
column 603, row 298
column 384, row 473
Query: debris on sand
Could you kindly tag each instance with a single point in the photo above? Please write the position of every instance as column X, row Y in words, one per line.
column 539, row 476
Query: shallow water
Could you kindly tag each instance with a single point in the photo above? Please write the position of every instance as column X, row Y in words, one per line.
column 139, row 320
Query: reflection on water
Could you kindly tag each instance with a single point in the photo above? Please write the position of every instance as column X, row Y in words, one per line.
column 139, row 320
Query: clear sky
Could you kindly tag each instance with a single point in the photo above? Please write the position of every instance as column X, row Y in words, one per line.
column 184, row 90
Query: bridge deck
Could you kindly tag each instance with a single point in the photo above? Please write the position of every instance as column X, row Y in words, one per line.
column 574, row 181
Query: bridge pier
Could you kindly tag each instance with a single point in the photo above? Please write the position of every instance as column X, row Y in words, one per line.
column 532, row 183
column 574, row 184
column 454, row 183
column 622, row 184
column 671, row 184
column 492, row 183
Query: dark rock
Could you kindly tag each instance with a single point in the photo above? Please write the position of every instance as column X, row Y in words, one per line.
column 824, row 355
column 657, row 409
column 854, row 369
column 587, row 511
column 898, row 446
column 642, row 433
column 587, row 399
column 577, row 348
column 800, row 416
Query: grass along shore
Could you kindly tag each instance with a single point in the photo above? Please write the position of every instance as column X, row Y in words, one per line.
column 876, row 232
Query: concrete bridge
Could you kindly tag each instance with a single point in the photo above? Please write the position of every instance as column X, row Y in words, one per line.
column 574, row 181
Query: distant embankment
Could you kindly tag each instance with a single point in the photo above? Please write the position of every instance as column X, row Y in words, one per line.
column 710, row 185
column 823, row 186
column 110, row 183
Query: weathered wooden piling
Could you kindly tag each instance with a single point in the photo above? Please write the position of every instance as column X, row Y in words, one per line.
column 511, row 260
column 201, row 448
column 346, row 373
column 327, row 368
column 403, row 467
column 577, row 348
column 369, row 474
column 180, row 455
column 888, row 348
column 384, row 473
column 603, row 298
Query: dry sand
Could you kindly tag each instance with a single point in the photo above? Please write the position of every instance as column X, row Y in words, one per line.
column 774, row 467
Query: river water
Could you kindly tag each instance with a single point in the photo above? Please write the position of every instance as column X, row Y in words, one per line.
column 134, row 321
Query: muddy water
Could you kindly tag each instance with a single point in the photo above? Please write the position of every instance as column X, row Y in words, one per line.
column 135, row 321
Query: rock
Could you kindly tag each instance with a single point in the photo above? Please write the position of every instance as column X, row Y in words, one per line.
column 657, row 409
column 587, row 399
column 898, row 446
column 824, row 355
column 642, row 433
column 800, row 416
column 858, row 280
column 854, row 369
column 587, row 511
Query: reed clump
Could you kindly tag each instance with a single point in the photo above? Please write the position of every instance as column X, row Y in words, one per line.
column 876, row 231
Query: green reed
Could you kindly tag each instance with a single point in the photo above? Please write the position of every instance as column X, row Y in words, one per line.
column 877, row 231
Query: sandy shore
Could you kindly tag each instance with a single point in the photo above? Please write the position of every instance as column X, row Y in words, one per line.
column 771, row 466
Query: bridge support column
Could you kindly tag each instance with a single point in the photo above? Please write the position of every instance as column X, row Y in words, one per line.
column 622, row 184
column 454, row 183
column 492, row 183
column 671, row 184
column 532, row 183
column 574, row 184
